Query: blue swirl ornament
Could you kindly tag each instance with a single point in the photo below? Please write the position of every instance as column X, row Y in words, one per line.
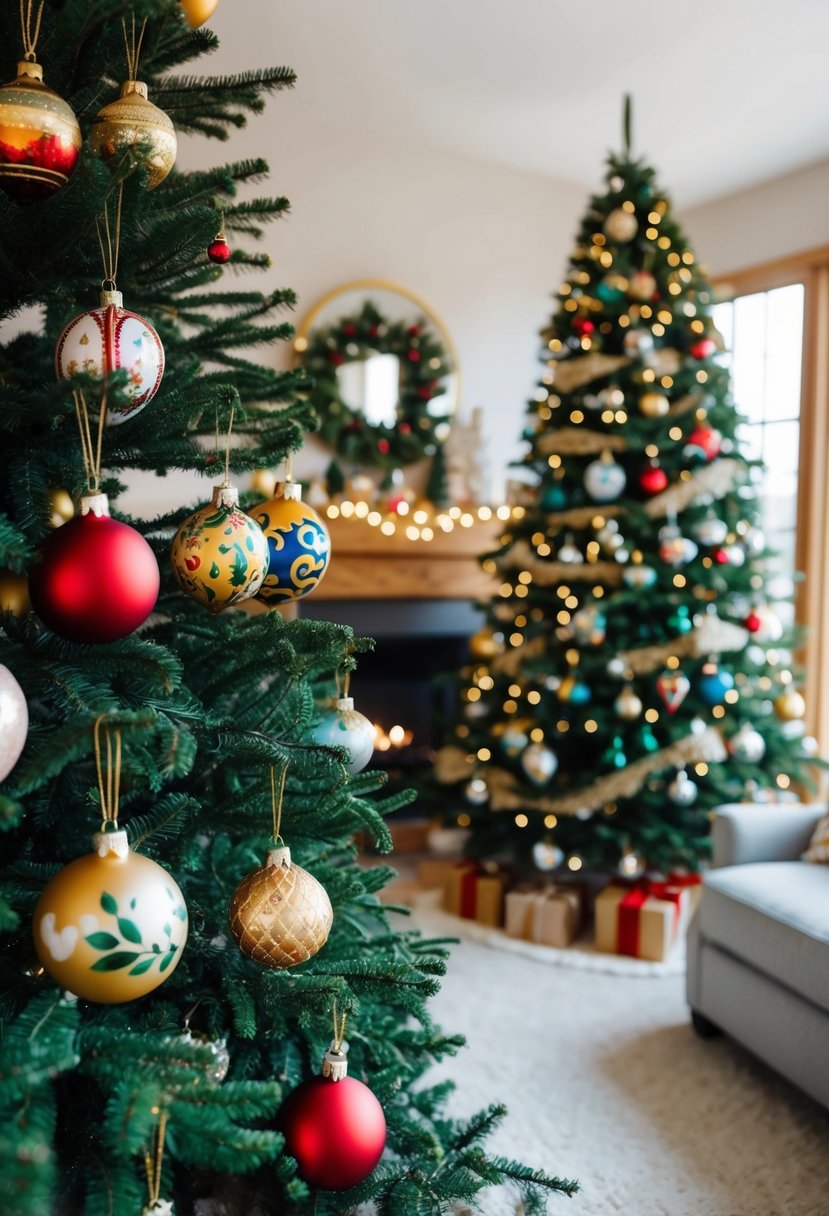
column 299, row 546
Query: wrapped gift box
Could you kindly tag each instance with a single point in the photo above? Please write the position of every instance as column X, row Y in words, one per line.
column 551, row 916
column 642, row 921
column 472, row 892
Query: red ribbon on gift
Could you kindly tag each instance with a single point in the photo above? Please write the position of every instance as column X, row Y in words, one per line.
column 469, row 881
column 630, row 908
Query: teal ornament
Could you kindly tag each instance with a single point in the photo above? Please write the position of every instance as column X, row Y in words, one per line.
column 574, row 692
column 609, row 291
column 615, row 756
column 553, row 498
column 513, row 743
column 647, row 739
column 680, row 620
column 344, row 726
column 714, row 684
column 299, row 546
column 639, row 577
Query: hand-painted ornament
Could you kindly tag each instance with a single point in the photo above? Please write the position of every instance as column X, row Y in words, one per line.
column 40, row 140
column 546, row 856
column 298, row 543
column 110, row 926
column 604, row 479
column 628, row 705
column 673, row 687
column 109, row 339
column 199, row 11
column 639, row 577
column 344, row 726
column 539, row 763
column 334, row 1126
column 711, row 531
column 675, row 549
column 653, row 479
column 642, row 286
column 703, row 443
column 476, row 792
column 573, row 691
column 620, row 225
column 97, row 579
column 714, row 684
column 484, row 644
column 513, row 743
column 219, row 554
column 747, row 745
column 682, row 791
column 132, row 128
column 589, row 625
column 790, row 705
column 653, row 405
column 279, row 914
column 14, row 722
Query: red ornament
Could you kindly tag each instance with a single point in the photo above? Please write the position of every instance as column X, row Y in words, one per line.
column 752, row 622
column 334, row 1126
column 404, row 428
column 336, row 358
column 219, row 251
column 653, row 479
column 413, row 331
column 425, row 393
column 720, row 556
column 413, row 356
column 703, row 349
column 349, row 330
column 40, row 140
column 373, row 331
column 98, row 579
column 582, row 326
column 383, row 446
column 706, row 439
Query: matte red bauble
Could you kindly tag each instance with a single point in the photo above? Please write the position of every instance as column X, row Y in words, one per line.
column 720, row 556
column 334, row 1127
column 653, row 480
column 703, row 349
column 752, row 622
column 219, row 251
column 97, row 579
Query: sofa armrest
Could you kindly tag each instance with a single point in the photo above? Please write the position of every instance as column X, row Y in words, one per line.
column 756, row 831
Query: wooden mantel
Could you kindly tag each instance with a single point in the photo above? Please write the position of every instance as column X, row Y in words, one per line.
column 367, row 565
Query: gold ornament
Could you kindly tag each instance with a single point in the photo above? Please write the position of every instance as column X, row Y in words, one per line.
column 110, row 927
column 219, row 554
column 199, row 11
column 280, row 915
column 40, row 140
column 628, row 705
column 620, row 225
column 61, row 508
column 790, row 706
column 14, row 593
column 654, row 405
column 133, row 124
column 483, row 644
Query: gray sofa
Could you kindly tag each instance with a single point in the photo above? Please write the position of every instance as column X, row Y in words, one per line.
column 758, row 946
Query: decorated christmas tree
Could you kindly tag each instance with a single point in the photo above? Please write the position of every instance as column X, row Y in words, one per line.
column 632, row 673
column 168, row 998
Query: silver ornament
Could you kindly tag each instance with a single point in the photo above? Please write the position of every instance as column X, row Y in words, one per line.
column 617, row 668
column 675, row 549
column 539, row 763
column 476, row 792
column 14, row 722
column 546, row 855
column 711, row 531
column 747, row 745
column 638, row 342
column 682, row 790
column 569, row 553
column 604, row 479
column 631, row 864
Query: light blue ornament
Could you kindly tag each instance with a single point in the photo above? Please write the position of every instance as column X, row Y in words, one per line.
column 513, row 743
column 639, row 577
column 539, row 763
column 344, row 726
column 714, row 684
column 299, row 546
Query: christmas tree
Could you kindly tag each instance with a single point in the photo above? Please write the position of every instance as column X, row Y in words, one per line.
column 143, row 1066
column 632, row 674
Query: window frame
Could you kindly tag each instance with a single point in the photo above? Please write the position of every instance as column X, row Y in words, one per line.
column 811, row 268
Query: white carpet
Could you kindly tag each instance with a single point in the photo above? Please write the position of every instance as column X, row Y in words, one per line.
column 607, row 1083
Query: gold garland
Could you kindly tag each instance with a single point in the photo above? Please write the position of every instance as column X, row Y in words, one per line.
column 580, row 517
column 711, row 636
column 579, row 441
column 716, row 479
column 546, row 573
column 509, row 663
column 570, row 374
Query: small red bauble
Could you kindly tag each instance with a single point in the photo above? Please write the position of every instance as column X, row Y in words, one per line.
column 653, row 480
column 404, row 428
column 706, row 439
column 97, row 579
column 413, row 356
column 413, row 331
column 752, row 622
column 383, row 446
column 349, row 330
column 336, row 358
column 219, row 251
column 703, row 349
column 720, row 556
column 582, row 326
column 336, row 1130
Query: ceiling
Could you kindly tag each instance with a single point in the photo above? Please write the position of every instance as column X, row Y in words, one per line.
column 727, row 93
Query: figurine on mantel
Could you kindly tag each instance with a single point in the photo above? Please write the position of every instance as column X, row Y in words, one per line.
column 466, row 462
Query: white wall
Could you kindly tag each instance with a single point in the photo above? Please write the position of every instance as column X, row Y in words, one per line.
column 486, row 246
column 781, row 216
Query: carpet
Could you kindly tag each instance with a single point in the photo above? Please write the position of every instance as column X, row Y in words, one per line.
column 606, row 1082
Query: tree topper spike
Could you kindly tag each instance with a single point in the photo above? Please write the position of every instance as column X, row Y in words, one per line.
column 627, row 123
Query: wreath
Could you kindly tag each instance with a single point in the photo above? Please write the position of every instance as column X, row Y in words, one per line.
column 424, row 368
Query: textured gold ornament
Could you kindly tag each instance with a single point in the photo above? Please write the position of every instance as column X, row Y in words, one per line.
column 621, row 225
column 790, row 706
column 654, row 405
column 133, row 123
column 280, row 915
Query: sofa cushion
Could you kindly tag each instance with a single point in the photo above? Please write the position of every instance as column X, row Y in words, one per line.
column 818, row 850
column 774, row 915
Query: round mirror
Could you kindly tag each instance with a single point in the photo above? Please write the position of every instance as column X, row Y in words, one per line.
column 385, row 373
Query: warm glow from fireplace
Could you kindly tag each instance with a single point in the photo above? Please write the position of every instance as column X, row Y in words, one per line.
column 397, row 737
